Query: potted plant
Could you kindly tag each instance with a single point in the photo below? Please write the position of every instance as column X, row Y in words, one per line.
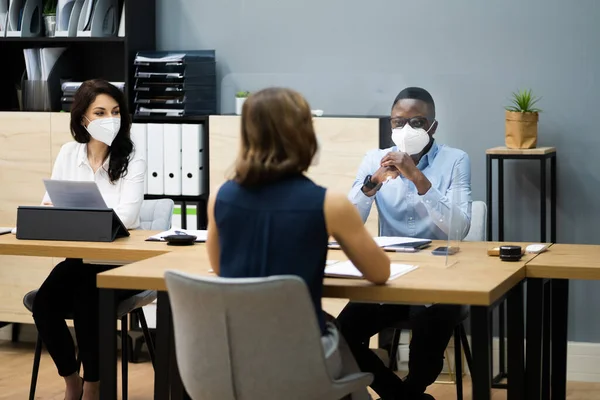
column 522, row 121
column 49, row 14
column 240, row 98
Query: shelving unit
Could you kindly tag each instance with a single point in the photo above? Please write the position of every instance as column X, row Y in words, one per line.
column 109, row 58
column 201, row 200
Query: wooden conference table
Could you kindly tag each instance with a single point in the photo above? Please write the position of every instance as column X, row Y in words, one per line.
column 471, row 278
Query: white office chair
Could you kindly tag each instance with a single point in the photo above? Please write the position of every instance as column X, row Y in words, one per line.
column 155, row 215
column 251, row 338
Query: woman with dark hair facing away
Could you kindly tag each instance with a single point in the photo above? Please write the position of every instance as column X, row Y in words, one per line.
column 102, row 152
column 271, row 219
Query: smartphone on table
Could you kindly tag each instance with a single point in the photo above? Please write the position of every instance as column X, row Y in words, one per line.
column 444, row 251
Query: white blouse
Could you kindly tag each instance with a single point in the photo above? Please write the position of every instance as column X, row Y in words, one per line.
column 125, row 196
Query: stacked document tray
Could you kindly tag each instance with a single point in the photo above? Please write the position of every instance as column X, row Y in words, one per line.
column 69, row 88
column 175, row 84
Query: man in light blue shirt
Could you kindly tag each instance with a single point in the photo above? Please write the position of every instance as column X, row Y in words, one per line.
column 423, row 190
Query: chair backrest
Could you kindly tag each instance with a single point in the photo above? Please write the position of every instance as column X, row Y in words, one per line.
column 247, row 339
column 156, row 215
column 478, row 229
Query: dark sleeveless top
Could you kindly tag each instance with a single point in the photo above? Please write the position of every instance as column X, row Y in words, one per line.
column 276, row 229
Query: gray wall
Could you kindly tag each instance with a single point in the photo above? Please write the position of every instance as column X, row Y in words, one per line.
column 350, row 57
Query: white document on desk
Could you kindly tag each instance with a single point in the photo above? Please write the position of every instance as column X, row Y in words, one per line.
column 345, row 269
column 201, row 235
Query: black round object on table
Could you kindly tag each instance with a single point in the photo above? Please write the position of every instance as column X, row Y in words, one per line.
column 510, row 253
column 180, row 240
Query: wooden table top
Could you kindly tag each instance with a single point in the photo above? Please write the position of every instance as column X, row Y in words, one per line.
column 567, row 261
column 472, row 277
column 132, row 248
column 502, row 150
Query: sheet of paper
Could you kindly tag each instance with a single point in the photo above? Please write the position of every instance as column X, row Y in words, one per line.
column 201, row 235
column 345, row 269
column 48, row 57
column 5, row 229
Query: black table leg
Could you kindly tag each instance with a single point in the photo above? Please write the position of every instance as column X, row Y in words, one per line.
column 108, row 344
column 546, row 336
column 560, row 313
column 533, row 373
column 553, row 199
column 516, row 339
column 543, row 200
column 163, row 347
column 500, row 200
column 488, row 186
column 482, row 351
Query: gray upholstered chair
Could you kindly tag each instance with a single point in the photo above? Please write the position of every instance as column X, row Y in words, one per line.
column 478, row 229
column 154, row 215
column 251, row 338
column 477, row 233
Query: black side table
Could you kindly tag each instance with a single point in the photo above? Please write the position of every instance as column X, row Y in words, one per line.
column 541, row 154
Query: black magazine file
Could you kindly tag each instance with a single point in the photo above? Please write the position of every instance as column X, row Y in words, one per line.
column 69, row 224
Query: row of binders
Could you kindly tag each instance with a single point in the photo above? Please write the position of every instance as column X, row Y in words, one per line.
column 174, row 157
column 85, row 18
column 175, row 84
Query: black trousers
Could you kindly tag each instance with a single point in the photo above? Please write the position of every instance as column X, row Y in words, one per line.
column 70, row 291
column 432, row 328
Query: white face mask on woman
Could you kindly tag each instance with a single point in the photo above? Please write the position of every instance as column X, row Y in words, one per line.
column 410, row 140
column 104, row 129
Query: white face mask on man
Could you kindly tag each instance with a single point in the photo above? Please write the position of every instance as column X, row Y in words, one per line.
column 104, row 129
column 410, row 140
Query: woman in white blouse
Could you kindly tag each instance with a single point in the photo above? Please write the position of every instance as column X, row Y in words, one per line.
column 102, row 152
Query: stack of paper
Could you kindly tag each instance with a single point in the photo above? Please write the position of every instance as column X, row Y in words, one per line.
column 345, row 269
column 201, row 235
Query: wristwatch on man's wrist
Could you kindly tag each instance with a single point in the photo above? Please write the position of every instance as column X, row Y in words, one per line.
column 369, row 184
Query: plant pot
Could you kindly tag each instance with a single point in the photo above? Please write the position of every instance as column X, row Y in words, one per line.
column 521, row 130
column 239, row 103
column 50, row 25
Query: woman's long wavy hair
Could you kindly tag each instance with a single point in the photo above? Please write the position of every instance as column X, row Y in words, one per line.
column 122, row 147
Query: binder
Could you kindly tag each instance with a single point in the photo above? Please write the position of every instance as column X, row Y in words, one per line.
column 156, row 181
column 71, row 224
column 139, row 137
column 67, row 17
column 3, row 17
column 24, row 18
column 172, row 159
column 98, row 18
column 191, row 160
